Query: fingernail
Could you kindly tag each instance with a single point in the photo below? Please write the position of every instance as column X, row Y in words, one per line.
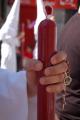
column 39, row 66
column 42, row 81
column 48, row 90
column 47, row 72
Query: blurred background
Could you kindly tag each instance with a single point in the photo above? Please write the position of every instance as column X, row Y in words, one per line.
column 62, row 10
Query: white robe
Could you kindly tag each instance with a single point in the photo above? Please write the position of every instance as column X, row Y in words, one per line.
column 14, row 103
column 8, row 33
column 8, row 54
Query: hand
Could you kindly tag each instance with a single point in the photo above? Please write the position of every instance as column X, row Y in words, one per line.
column 32, row 66
column 53, row 76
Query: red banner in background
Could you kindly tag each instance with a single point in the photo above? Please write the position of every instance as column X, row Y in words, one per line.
column 26, row 2
column 66, row 4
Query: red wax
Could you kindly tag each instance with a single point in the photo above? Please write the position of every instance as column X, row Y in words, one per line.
column 46, row 48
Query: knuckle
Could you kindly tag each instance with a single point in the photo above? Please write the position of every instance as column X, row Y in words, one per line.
column 61, row 77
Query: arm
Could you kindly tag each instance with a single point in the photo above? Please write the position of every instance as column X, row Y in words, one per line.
column 52, row 75
column 13, row 96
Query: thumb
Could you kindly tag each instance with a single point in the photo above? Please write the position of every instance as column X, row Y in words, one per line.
column 33, row 65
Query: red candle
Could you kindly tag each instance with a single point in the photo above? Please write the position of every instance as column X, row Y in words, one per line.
column 46, row 48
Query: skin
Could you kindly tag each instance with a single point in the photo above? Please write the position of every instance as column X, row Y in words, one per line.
column 53, row 75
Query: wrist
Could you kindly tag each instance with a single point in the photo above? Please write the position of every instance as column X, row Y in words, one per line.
column 31, row 84
column 31, row 91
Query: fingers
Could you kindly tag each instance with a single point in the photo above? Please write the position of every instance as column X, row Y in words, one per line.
column 59, row 64
column 56, row 117
column 52, row 79
column 55, row 88
column 56, row 69
column 54, row 75
column 59, row 57
column 54, row 84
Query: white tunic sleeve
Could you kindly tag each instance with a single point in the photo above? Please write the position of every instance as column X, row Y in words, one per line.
column 14, row 41
column 13, row 96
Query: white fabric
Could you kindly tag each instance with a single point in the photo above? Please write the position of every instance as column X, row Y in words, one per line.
column 13, row 96
column 8, row 54
column 8, row 34
column 40, row 16
column 79, row 10
column 10, row 28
